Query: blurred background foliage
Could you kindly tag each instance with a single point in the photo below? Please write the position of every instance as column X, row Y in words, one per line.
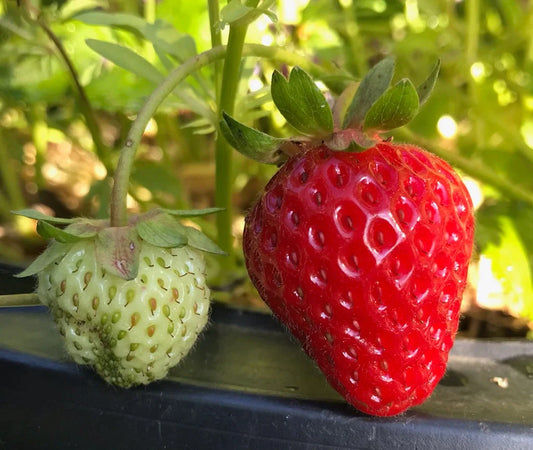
column 73, row 74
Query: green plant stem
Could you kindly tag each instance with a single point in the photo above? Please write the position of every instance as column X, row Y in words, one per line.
column 223, row 151
column 119, row 216
column 216, row 41
column 19, row 300
column 474, row 169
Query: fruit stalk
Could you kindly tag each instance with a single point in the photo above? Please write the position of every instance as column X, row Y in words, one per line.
column 133, row 139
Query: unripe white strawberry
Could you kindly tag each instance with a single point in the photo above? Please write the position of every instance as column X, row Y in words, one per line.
column 130, row 331
column 129, row 301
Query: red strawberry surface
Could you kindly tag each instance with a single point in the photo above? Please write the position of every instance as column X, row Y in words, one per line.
column 364, row 257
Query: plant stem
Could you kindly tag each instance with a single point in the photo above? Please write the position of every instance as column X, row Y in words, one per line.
column 216, row 40
column 474, row 169
column 19, row 300
column 223, row 151
column 119, row 216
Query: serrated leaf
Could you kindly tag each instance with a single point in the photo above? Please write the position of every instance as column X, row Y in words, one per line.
column 191, row 212
column 37, row 215
column 198, row 240
column 117, row 251
column 424, row 90
column 53, row 252
column 49, row 231
column 396, row 107
column 162, row 230
column 251, row 143
column 372, row 86
column 302, row 103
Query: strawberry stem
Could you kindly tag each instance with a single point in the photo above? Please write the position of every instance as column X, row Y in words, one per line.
column 223, row 151
column 119, row 215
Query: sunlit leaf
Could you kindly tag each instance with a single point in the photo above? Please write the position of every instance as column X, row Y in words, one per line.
column 396, row 107
column 372, row 86
column 52, row 253
column 301, row 102
column 250, row 142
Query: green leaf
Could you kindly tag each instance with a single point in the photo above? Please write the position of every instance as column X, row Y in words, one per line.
column 424, row 90
column 191, row 212
column 121, row 20
column 234, row 11
column 33, row 214
column 396, row 107
column 300, row 101
column 198, row 240
column 53, row 252
column 373, row 85
column 117, row 251
column 48, row 231
column 165, row 37
column 252, row 143
column 162, row 230
column 126, row 58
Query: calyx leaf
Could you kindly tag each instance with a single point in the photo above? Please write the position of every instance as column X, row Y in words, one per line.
column 424, row 90
column 198, row 240
column 37, row 215
column 396, row 107
column 302, row 103
column 162, row 230
column 53, row 252
column 49, row 231
column 117, row 251
column 191, row 212
column 372, row 86
column 250, row 142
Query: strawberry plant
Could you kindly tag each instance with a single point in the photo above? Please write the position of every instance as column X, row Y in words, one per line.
column 359, row 245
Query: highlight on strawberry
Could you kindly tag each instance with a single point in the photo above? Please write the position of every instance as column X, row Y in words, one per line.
column 359, row 245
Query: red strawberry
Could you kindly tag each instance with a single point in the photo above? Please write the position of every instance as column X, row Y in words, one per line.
column 364, row 257
column 362, row 254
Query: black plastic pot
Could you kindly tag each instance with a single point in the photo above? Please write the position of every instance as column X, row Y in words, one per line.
column 245, row 385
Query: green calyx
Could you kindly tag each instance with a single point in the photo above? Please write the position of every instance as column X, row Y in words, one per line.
column 358, row 117
column 117, row 248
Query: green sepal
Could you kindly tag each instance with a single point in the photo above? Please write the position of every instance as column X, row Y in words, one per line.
column 117, row 251
column 372, row 86
column 250, row 142
column 49, row 231
column 37, row 215
column 396, row 107
column 162, row 230
column 302, row 103
column 191, row 212
column 53, row 252
column 425, row 89
column 198, row 240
